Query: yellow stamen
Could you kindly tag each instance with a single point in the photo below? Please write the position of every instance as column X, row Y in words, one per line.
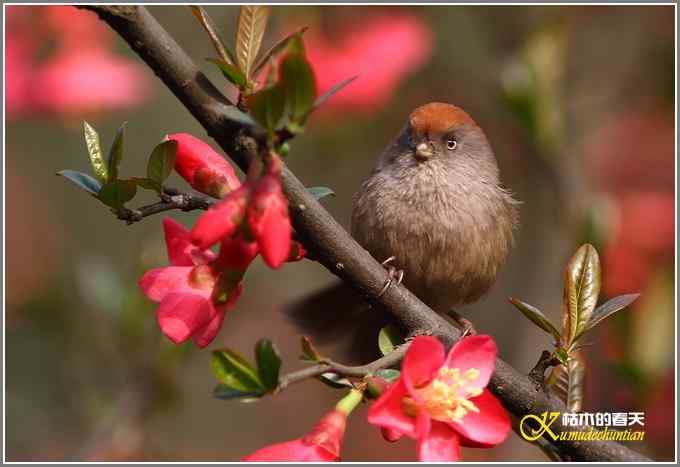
column 446, row 397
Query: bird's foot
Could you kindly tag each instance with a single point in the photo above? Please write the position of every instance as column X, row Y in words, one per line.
column 464, row 324
column 393, row 274
column 417, row 333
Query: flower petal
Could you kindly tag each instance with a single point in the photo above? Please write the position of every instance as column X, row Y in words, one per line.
column 180, row 315
column 294, row 450
column 181, row 252
column 237, row 253
column 387, row 411
column 203, row 337
column 202, row 167
column 269, row 220
column 478, row 352
column 488, row 427
column 423, row 358
column 221, row 220
column 159, row 282
column 439, row 444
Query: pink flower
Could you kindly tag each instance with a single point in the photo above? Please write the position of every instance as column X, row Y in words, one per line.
column 381, row 49
column 199, row 287
column 88, row 80
column 203, row 168
column 322, row 444
column 442, row 401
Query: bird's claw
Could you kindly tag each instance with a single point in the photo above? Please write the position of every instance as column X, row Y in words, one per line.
column 392, row 275
column 464, row 324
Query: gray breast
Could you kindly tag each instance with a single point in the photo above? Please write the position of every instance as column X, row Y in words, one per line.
column 449, row 238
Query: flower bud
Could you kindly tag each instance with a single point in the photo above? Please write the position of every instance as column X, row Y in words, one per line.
column 203, row 168
column 221, row 220
column 375, row 386
column 390, row 434
column 269, row 221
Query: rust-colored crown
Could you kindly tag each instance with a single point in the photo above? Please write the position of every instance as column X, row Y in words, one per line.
column 437, row 117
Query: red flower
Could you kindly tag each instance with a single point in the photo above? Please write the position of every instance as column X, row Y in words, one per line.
column 203, row 168
column 261, row 207
column 222, row 219
column 322, row 444
column 199, row 287
column 441, row 401
column 381, row 49
column 268, row 219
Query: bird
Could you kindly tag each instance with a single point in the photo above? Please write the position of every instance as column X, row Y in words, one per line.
column 435, row 212
column 435, row 207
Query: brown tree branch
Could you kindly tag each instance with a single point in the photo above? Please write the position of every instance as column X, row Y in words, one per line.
column 319, row 232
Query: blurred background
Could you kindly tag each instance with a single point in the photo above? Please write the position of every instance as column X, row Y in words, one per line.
column 577, row 101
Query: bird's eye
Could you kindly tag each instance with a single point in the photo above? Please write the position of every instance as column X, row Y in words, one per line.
column 451, row 144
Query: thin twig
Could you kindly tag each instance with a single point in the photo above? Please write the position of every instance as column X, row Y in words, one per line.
column 171, row 199
column 537, row 373
column 388, row 361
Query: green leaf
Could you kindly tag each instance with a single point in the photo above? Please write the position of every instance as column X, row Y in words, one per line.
column 222, row 391
column 116, row 153
column 275, row 50
column 81, row 180
column 388, row 374
column 335, row 381
column 203, row 18
column 162, row 161
column 94, row 148
column 309, row 352
column 576, row 372
column 268, row 363
column 117, row 192
column 333, row 90
column 609, row 308
column 252, row 23
column 233, row 74
column 319, row 192
column 536, row 317
column 298, row 81
column 388, row 338
column 148, row 184
column 234, row 371
column 581, row 291
column 267, row 106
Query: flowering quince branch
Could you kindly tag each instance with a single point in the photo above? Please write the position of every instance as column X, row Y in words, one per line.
column 341, row 255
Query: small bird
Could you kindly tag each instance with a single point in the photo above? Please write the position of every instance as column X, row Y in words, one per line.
column 435, row 210
column 434, row 203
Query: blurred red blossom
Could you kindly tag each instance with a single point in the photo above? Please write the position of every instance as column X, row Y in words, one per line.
column 90, row 81
column 80, row 75
column 632, row 162
column 442, row 401
column 382, row 49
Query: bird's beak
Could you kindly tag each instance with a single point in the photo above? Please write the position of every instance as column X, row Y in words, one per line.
column 424, row 151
